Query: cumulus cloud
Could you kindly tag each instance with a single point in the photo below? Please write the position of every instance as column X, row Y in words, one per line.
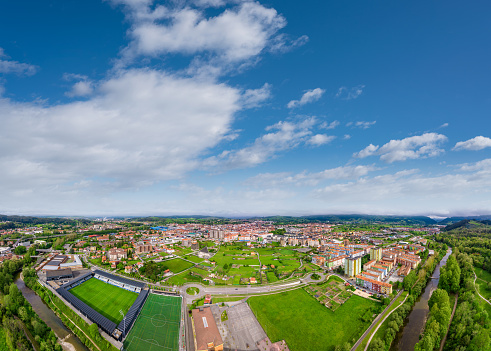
column 254, row 97
column 307, row 97
column 474, row 144
column 421, row 146
column 350, row 93
column 10, row 66
column 235, row 35
column 320, row 139
column 141, row 127
column 282, row 136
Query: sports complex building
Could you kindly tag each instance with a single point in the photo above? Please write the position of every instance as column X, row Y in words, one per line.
column 126, row 310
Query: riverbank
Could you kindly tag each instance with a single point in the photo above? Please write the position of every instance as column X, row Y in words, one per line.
column 66, row 338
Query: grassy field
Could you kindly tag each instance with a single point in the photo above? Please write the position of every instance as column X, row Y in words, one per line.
column 307, row 325
column 482, row 281
column 157, row 325
column 177, row 265
column 194, row 259
column 105, row 298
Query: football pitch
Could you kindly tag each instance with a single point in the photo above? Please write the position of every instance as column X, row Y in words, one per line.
column 157, row 325
column 105, row 298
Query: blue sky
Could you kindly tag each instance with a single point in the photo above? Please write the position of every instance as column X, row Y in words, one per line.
column 135, row 107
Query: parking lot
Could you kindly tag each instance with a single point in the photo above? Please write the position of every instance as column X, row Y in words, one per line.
column 244, row 331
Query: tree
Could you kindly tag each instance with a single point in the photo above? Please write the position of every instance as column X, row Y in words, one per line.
column 376, row 345
column 20, row 250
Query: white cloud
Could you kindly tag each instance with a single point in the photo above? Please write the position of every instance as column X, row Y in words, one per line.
column 282, row 136
column 421, row 146
column 410, row 191
column 331, row 125
column 307, row 97
column 283, row 43
column 309, row 179
column 236, row 34
column 9, row 66
column 368, row 151
column 444, row 125
column 140, row 127
column 364, row 124
column 82, row 88
column 474, row 144
column 347, row 137
column 254, row 97
column 320, row 139
column 477, row 166
column 350, row 93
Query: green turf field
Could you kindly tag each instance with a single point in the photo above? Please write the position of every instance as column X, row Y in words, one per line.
column 105, row 298
column 157, row 325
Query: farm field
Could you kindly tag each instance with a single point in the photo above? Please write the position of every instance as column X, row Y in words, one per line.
column 157, row 325
column 331, row 294
column 105, row 298
column 306, row 325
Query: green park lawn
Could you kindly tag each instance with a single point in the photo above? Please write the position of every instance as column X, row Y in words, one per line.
column 482, row 281
column 177, row 265
column 105, row 298
column 194, row 259
column 482, row 274
column 183, row 278
column 307, row 325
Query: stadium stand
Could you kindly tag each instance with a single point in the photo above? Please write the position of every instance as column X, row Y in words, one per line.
column 118, row 281
column 104, row 323
column 76, row 281
column 125, row 325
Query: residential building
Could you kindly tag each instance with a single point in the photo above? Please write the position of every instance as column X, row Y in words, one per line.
column 116, row 254
column 376, row 254
column 352, row 266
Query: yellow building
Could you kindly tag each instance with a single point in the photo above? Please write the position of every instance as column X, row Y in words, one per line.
column 376, row 254
column 352, row 266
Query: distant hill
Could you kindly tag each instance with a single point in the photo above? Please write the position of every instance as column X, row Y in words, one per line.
column 467, row 224
column 28, row 220
column 451, row 220
column 353, row 218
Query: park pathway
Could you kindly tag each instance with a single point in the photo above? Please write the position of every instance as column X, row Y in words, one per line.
column 451, row 318
column 360, row 340
column 382, row 322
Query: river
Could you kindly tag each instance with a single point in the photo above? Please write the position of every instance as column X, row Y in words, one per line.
column 414, row 324
column 69, row 341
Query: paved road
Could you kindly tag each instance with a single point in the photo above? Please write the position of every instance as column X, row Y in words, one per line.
column 375, row 322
